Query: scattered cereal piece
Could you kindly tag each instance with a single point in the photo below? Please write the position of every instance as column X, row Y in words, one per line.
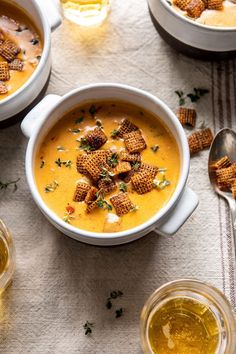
column 225, row 175
column 215, row 4
column 125, row 156
column 96, row 138
column 200, row 140
column 81, row 191
column 187, row 116
column 142, row 182
column 195, row 8
column 149, row 168
column 134, row 141
column 122, row 167
column 126, row 127
column 181, row 4
column 94, row 167
column 80, row 164
column 9, row 50
column 3, row 88
column 4, row 71
column 221, row 163
column 107, row 185
column 126, row 177
column 91, row 195
column 121, row 203
column 17, row 65
column 91, row 207
column 233, row 188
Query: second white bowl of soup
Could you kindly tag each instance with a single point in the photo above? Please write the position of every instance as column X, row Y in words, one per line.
column 108, row 163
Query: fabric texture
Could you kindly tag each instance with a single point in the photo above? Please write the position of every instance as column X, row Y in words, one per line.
column 59, row 283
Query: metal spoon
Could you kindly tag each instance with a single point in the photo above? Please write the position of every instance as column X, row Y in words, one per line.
column 224, row 144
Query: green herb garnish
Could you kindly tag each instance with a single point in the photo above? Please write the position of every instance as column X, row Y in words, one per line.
column 84, row 145
column 5, row 185
column 103, row 204
column 79, row 120
column 161, row 184
column 136, row 165
column 180, row 94
column 67, row 218
column 123, row 187
column 34, row 41
column 88, row 328
column 155, row 148
column 42, row 164
column 113, row 160
column 61, row 163
column 114, row 133
column 98, row 123
column 119, row 312
column 51, row 187
column 106, row 175
column 134, row 208
column 113, row 295
column 197, row 94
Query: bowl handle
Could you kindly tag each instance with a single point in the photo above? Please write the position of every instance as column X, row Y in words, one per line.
column 186, row 205
column 38, row 114
column 51, row 10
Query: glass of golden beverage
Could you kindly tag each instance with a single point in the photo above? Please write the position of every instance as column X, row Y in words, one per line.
column 7, row 257
column 86, row 12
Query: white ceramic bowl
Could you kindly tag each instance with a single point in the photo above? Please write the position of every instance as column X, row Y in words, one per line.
column 43, row 117
column 191, row 37
column 46, row 17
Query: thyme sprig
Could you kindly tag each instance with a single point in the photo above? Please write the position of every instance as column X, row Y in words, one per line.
column 66, row 163
column 5, row 185
column 88, row 328
column 51, row 187
column 113, row 295
column 193, row 96
column 113, row 160
column 84, row 145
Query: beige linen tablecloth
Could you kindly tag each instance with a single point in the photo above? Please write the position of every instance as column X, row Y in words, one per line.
column 59, row 283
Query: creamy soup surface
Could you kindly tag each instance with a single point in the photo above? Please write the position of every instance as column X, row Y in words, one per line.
column 56, row 173
column 17, row 28
column 222, row 18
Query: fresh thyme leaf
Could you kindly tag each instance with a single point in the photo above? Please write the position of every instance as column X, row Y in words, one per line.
column 180, row 94
column 123, row 187
column 34, row 41
column 106, row 175
column 42, row 164
column 67, row 217
column 161, row 184
column 113, row 295
column 119, row 312
column 84, row 145
column 79, row 120
column 75, row 131
column 155, row 148
column 61, row 148
column 134, row 208
column 197, row 94
column 136, row 165
column 5, row 185
column 113, row 160
column 114, row 133
column 109, row 304
column 60, row 163
column 98, row 123
column 88, row 328
column 51, row 187
column 93, row 110
column 103, row 204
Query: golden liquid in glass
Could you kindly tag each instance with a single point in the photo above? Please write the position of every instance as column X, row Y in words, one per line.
column 183, row 326
column 86, row 12
column 3, row 255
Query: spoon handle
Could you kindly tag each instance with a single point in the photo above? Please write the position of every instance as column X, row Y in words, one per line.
column 232, row 205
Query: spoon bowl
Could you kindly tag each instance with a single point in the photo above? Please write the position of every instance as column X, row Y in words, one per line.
column 224, row 144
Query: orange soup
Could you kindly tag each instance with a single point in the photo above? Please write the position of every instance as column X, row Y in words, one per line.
column 20, row 49
column 107, row 166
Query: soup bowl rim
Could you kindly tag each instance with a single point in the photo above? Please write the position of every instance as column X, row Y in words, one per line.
column 46, row 31
column 151, row 222
column 199, row 26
